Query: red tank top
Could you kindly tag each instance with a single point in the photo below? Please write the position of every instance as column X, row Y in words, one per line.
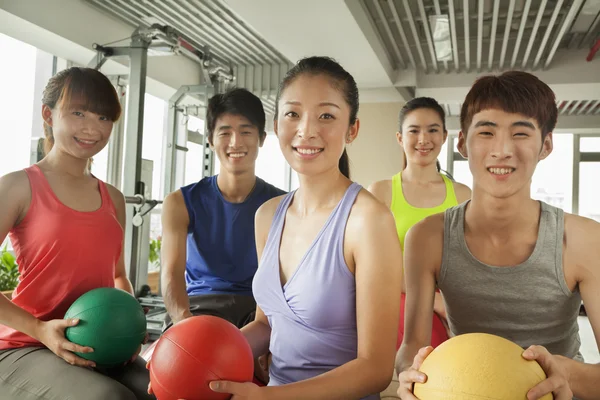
column 62, row 254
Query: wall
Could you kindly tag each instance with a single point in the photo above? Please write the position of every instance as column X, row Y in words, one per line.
column 375, row 154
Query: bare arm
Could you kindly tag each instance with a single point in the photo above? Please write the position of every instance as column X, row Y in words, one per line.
column 13, row 210
column 378, row 276
column 175, row 222
column 258, row 332
column 567, row 378
column 420, row 272
column 50, row 333
column 121, row 279
column 585, row 378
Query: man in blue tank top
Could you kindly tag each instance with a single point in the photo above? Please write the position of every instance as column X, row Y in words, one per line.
column 506, row 264
column 208, row 251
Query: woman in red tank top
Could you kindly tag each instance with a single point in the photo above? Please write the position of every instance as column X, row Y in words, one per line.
column 67, row 230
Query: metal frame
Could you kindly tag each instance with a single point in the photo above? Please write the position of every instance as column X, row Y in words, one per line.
column 131, row 153
column 578, row 158
column 576, row 161
column 177, row 137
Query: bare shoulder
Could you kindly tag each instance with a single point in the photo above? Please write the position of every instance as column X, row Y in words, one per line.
column 382, row 190
column 266, row 211
column 462, row 191
column 116, row 195
column 368, row 211
column 18, row 184
column 14, row 207
column 17, row 181
column 263, row 219
column 174, row 199
column 174, row 213
column 431, row 227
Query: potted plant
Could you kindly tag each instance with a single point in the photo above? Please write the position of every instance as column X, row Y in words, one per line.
column 9, row 272
column 154, row 260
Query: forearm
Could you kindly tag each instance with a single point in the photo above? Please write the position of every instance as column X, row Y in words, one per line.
column 121, row 282
column 175, row 296
column 258, row 335
column 584, row 379
column 405, row 356
column 16, row 318
column 354, row 380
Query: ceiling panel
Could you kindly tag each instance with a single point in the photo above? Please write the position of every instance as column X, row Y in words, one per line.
column 468, row 35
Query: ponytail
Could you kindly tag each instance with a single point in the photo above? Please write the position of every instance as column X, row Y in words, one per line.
column 344, row 164
column 49, row 139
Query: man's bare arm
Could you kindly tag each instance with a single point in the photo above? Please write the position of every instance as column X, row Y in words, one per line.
column 175, row 222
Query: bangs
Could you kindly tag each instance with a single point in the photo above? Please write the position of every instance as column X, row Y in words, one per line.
column 90, row 91
column 512, row 93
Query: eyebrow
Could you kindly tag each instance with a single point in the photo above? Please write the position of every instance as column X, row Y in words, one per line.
column 297, row 103
column 429, row 126
column 525, row 124
column 226, row 127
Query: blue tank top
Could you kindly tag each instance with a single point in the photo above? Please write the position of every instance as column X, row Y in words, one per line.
column 221, row 251
column 313, row 316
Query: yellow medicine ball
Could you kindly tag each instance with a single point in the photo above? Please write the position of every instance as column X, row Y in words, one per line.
column 478, row 366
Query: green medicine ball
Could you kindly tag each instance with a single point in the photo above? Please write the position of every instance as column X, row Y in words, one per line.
column 111, row 321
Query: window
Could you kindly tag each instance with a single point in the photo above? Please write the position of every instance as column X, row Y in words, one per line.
column 443, row 157
column 552, row 181
column 100, row 164
column 589, row 144
column 462, row 173
column 589, row 191
column 271, row 164
column 17, row 80
column 154, row 131
column 193, row 163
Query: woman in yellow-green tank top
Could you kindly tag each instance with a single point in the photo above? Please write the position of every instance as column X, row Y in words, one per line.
column 421, row 189
column 406, row 215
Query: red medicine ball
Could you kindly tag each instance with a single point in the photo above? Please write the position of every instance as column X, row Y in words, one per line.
column 195, row 352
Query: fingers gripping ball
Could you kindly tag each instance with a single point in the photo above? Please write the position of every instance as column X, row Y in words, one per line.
column 195, row 352
column 111, row 321
column 478, row 366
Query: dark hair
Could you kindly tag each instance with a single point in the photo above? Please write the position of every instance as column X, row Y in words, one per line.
column 423, row 102
column 87, row 88
column 341, row 80
column 236, row 101
column 514, row 92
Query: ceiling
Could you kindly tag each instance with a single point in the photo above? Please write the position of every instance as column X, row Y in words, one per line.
column 481, row 35
column 395, row 49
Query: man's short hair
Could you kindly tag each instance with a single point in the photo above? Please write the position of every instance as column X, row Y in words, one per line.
column 513, row 92
column 236, row 101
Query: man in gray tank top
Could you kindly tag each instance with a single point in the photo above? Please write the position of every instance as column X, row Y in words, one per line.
column 506, row 264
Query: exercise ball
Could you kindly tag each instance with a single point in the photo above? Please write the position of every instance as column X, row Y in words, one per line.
column 195, row 352
column 111, row 321
column 478, row 366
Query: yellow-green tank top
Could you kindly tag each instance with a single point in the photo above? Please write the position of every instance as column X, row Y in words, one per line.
column 407, row 215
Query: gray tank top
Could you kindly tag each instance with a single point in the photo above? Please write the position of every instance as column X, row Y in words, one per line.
column 529, row 303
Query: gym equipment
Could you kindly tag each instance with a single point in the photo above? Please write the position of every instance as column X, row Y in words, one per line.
column 478, row 366
column 195, row 352
column 111, row 321
column 155, row 317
